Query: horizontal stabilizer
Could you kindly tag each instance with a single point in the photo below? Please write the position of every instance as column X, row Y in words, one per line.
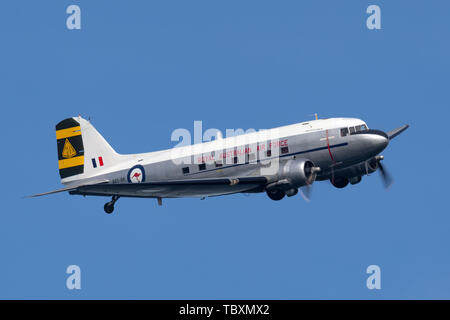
column 71, row 188
column 392, row 134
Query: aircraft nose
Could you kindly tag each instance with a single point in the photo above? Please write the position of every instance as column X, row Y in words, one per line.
column 379, row 140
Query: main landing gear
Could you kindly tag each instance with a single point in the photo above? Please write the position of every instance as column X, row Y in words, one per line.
column 278, row 194
column 109, row 206
column 275, row 194
column 339, row 182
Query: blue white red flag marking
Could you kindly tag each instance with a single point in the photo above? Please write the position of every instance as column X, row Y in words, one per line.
column 100, row 162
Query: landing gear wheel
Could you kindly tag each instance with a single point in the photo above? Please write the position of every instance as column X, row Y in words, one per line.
column 355, row 180
column 339, row 182
column 109, row 206
column 291, row 192
column 276, row 194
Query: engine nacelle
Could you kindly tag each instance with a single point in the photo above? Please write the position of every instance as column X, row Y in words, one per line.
column 298, row 172
column 359, row 169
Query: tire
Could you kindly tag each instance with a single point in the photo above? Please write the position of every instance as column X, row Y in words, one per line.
column 109, row 207
column 339, row 182
column 355, row 180
column 275, row 194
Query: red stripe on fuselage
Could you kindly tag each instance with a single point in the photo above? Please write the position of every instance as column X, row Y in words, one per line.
column 328, row 145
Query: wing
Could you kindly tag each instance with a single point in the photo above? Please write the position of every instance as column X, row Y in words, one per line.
column 176, row 188
column 392, row 134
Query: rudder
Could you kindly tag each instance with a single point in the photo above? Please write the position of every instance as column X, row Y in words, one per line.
column 70, row 148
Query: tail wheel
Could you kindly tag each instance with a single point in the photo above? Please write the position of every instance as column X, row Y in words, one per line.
column 109, row 207
column 275, row 194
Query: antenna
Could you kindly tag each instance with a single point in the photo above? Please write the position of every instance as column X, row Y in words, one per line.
column 316, row 116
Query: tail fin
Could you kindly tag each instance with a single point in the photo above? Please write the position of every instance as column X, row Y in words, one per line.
column 82, row 151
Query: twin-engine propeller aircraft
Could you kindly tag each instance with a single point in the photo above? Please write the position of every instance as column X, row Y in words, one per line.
column 277, row 161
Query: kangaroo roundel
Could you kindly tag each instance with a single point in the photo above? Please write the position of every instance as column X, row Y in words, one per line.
column 136, row 174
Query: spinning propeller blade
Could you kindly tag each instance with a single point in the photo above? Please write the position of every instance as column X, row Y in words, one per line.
column 385, row 176
column 305, row 192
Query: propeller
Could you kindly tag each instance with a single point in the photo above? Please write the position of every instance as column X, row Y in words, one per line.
column 385, row 176
column 305, row 192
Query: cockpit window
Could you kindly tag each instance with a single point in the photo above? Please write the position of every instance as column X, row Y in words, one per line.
column 352, row 130
column 361, row 128
column 344, row 132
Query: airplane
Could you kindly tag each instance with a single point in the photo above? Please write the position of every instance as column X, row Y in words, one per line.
column 279, row 161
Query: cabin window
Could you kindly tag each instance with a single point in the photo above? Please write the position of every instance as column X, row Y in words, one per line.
column 235, row 160
column 344, row 132
column 219, row 164
column 352, row 130
column 269, row 153
column 202, row 166
column 284, row 150
column 185, row 170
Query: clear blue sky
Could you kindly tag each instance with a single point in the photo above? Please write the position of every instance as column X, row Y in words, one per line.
column 141, row 69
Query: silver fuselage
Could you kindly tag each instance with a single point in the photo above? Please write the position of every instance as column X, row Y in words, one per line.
column 319, row 141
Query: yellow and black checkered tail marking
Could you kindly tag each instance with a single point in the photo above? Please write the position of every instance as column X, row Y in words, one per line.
column 70, row 148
